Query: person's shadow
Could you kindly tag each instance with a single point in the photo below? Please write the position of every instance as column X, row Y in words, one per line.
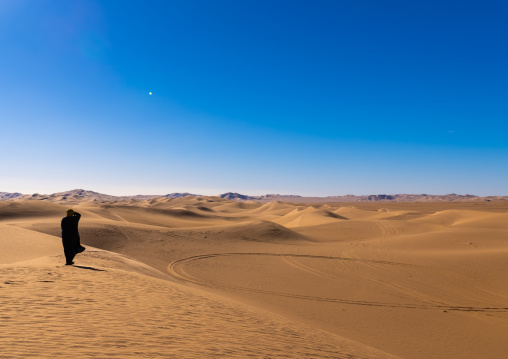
column 91, row 268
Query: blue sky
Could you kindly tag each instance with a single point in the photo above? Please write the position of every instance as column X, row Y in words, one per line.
column 293, row 97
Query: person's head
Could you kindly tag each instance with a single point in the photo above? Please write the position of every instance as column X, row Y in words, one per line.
column 70, row 213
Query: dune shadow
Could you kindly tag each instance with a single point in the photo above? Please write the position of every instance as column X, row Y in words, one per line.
column 90, row 268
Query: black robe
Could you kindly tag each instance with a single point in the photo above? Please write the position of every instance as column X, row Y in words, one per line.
column 70, row 236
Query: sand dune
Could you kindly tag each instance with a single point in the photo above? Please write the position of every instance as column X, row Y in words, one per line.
column 234, row 207
column 355, row 213
column 112, row 306
column 167, row 217
column 309, row 216
column 469, row 218
column 257, row 230
column 207, row 277
column 451, row 217
column 28, row 209
column 274, row 208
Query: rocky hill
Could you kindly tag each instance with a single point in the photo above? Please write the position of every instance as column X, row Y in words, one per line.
column 72, row 196
column 180, row 195
column 236, row 196
column 408, row 198
column 7, row 195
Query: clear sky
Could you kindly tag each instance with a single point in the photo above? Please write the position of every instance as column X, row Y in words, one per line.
column 292, row 97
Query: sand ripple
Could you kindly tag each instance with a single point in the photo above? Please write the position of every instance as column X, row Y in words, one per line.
column 103, row 310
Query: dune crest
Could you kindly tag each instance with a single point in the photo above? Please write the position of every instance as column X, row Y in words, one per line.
column 309, row 216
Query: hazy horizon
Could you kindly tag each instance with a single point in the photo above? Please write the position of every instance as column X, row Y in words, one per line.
column 121, row 194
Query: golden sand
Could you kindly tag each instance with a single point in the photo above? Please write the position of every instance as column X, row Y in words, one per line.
column 206, row 277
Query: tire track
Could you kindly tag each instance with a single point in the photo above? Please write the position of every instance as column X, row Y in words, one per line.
column 176, row 269
column 288, row 258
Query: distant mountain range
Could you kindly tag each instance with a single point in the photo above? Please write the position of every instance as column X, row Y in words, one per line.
column 81, row 195
column 366, row 198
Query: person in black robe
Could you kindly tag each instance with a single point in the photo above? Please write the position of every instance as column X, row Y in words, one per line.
column 70, row 236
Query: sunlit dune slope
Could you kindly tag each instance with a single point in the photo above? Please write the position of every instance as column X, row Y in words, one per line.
column 234, row 207
column 29, row 210
column 309, row 217
column 273, row 208
column 112, row 306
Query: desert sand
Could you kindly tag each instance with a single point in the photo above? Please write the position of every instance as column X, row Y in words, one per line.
column 204, row 277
